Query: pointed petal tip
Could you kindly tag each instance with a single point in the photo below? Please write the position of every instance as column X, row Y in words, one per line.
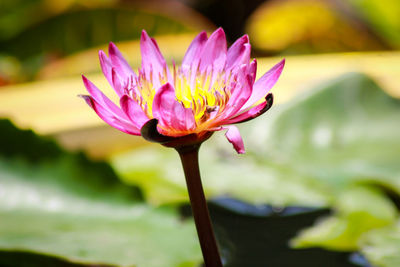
column 278, row 68
column 202, row 36
column 144, row 36
column 220, row 33
column 88, row 99
column 113, row 49
column 102, row 54
column 87, row 83
column 84, row 79
column 245, row 38
column 82, row 96
column 282, row 62
column 203, row 33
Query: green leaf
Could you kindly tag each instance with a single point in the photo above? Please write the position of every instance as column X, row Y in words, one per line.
column 382, row 246
column 332, row 146
column 223, row 173
column 342, row 133
column 54, row 206
column 358, row 211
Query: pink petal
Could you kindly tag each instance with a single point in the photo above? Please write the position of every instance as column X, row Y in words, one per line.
column 252, row 70
column 105, row 65
column 213, row 54
column 191, row 59
column 233, row 136
column 171, row 113
column 238, row 53
column 119, row 62
column 164, row 97
column 116, row 83
column 153, row 63
column 264, row 84
column 109, row 73
column 253, row 112
column 102, row 99
column 133, row 111
column 240, row 93
column 194, row 49
column 109, row 117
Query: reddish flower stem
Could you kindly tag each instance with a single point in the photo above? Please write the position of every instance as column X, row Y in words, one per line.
column 190, row 162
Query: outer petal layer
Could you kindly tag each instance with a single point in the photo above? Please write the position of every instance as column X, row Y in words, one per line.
column 105, row 65
column 110, row 118
column 102, row 99
column 253, row 112
column 238, row 53
column 133, row 111
column 119, row 62
column 233, row 136
column 264, row 84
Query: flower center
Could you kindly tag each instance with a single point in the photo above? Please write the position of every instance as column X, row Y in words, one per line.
column 205, row 93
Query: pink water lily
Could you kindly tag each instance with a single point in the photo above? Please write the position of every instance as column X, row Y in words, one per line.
column 213, row 88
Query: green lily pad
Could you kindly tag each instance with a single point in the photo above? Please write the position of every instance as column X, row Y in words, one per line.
column 382, row 246
column 344, row 132
column 329, row 147
column 54, row 206
column 359, row 210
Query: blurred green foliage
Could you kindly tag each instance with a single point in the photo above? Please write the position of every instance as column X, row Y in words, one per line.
column 63, row 205
column 337, row 146
column 383, row 16
column 382, row 246
column 33, row 33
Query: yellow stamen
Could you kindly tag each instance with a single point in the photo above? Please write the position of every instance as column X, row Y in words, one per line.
column 204, row 94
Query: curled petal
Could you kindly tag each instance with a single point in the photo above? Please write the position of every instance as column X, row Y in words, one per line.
column 119, row 62
column 171, row 113
column 253, row 112
column 109, row 117
column 264, row 84
column 164, row 98
column 233, row 136
column 214, row 52
column 133, row 111
column 238, row 53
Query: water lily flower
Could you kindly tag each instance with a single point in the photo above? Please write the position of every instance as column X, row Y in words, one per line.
column 213, row 89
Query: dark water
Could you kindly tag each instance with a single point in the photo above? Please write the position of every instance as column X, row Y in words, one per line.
column 258, row 236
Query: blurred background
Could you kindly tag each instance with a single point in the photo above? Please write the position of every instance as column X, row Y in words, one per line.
column 333, row 151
